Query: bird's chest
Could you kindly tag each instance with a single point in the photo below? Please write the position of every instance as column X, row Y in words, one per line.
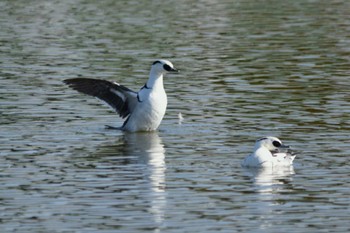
column 150, row 110
column 153, row 104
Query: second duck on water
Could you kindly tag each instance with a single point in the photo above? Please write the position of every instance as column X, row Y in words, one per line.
column 144, row 109
column 269, row 152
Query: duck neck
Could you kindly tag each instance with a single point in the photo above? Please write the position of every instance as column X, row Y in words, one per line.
column 263, row 152
column 155, row 80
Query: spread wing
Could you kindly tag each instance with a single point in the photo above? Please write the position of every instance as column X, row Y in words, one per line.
column 120, row 98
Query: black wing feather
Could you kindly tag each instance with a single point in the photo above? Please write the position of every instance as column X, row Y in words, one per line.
column 113, row 94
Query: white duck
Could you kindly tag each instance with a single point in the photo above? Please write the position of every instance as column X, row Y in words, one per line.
column 269, row 152
column 144, row 109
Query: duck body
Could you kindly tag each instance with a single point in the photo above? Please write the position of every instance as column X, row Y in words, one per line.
column 269, row 152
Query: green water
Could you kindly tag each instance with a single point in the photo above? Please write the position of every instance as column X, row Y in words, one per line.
column 248, row 69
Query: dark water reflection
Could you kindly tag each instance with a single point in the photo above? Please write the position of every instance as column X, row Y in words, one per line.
column 248, row 69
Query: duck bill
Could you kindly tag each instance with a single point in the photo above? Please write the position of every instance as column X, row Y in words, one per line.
column 284, row 146
column 174, row 70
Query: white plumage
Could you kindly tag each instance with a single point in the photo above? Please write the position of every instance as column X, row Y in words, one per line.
column 269, row 152
column 144, row 109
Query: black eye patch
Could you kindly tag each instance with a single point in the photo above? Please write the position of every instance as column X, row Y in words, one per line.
column 167, row 67
column 276, row 143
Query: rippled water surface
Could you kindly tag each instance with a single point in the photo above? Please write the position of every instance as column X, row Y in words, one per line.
column 248, row 69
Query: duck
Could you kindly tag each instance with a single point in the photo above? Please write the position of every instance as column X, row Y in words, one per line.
column 269, row 152
column 142, row 110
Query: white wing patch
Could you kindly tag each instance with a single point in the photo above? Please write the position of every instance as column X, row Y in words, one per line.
column 119, row 94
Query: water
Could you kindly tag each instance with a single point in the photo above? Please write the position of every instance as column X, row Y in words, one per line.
column 248, row 69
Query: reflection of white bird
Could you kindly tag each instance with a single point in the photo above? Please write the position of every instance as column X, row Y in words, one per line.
column 144, row 109
column 151, row 152
column 270, row 179
column 269, row 152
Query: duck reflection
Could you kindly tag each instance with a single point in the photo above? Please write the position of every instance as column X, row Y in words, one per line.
column 270, row 185
column 151, row 152
column 138, row 160
column 269, row 181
